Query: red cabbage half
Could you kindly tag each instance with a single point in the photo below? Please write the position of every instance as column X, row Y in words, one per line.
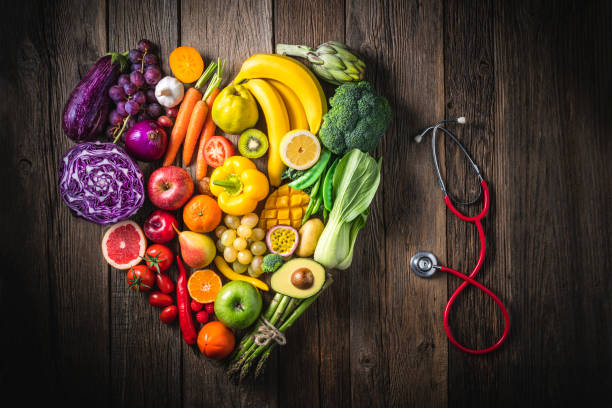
column 100, row 182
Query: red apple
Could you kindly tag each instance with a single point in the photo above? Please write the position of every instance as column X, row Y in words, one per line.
column 158, row 227
column 170, row 187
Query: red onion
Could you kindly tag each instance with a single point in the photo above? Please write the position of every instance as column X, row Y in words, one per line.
column 146, row 140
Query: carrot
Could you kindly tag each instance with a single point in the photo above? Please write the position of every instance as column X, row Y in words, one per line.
column 179, row 131
column 207, row 132
column 200, row 112
column 196, row 123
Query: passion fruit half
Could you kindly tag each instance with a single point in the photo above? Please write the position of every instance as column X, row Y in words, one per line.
column 282, row 240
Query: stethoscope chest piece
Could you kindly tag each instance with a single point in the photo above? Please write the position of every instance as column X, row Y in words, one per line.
column 423, row 264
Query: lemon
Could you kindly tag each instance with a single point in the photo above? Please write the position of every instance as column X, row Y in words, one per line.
column 300, row 149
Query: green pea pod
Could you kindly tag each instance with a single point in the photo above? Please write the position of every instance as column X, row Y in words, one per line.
column 308, row 211
column 316, row 206
column 327, row 185
column 313, row 198
column 315, row 189
column 313, row 174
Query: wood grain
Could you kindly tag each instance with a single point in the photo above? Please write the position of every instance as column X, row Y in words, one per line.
column 470, row 91
column 532, row 79
column 59, row 272
column 145, row 353
column 398, row 332
column 233, row 31
column 321, row 334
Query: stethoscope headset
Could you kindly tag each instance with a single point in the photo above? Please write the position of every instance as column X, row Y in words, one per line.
column 425, row 264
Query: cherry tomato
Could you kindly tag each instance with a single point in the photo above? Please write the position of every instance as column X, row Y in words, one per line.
column 210, row 308
column 164, row 283
column 196, row 306
column 168, row 315
column 159, row 299
column 140, row 278
column 158, row 258
column 172, row 112
column 165, row 121
column 216, row 150
column 202, row 316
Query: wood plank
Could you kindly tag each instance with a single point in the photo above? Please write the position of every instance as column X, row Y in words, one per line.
column 321, row 333
column 400, row 357
column 146, row 354
column 553, row 112
column 27, row 280
column 549, row 164
column 233, row 31
column 61, row 256
column 470, row 91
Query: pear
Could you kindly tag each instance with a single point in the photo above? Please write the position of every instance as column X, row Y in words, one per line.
column 197, row 250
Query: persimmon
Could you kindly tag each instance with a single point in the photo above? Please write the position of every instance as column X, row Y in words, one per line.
column 215, row 340
column 202, row 213
column 186, row 64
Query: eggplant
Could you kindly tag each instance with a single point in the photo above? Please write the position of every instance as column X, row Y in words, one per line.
column 88, row 106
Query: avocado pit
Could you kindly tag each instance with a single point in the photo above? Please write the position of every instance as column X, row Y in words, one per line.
column 302, row 278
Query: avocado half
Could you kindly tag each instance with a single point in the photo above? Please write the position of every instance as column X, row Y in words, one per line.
column 299, row 278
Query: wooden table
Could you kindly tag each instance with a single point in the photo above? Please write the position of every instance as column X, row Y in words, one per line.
column 533, row 79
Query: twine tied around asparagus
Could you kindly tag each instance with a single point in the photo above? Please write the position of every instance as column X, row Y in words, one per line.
column 266, row 332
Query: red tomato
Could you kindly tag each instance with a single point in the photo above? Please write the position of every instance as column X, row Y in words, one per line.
column 158, row 258
column 172, row 112
column 196, row 306
column 168, row 315
column 140, row 278
column 164, row 283
column 202, row 316
column 159, row 299
column 165, row 121
column 216, row 150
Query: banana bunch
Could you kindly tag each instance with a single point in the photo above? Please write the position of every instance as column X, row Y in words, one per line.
column 290, row 97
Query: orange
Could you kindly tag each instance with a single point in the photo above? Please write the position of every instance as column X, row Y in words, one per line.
column 186, row 64
column 204, row 285
column 216, row 341
column 202, row 213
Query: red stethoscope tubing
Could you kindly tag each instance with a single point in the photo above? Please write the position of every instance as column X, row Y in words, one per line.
column 469, row 279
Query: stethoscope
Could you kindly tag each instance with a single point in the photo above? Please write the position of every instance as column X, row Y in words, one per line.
column 425, row 264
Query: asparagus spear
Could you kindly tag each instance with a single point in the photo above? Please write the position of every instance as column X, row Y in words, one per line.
column 287, row 312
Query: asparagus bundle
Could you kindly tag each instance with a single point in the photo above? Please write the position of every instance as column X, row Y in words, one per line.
column 282, row 312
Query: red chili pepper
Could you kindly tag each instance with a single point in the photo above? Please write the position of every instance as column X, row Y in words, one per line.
column 182, row 300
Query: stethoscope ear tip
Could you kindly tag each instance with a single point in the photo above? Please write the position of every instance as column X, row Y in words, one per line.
column 461, row 120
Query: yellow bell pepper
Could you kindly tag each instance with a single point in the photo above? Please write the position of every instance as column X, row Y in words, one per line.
column 238, row 185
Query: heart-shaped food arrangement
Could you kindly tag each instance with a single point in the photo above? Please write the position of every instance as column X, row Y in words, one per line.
column 282, row 228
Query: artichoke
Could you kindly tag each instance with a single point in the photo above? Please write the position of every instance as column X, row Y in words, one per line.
column 331, row 61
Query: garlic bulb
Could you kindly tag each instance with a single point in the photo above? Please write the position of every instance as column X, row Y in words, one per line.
column 169, row 92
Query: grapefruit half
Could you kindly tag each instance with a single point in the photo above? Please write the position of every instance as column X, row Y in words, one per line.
column 124, row 245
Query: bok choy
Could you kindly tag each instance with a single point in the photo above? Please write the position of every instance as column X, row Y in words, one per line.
column 355, row 182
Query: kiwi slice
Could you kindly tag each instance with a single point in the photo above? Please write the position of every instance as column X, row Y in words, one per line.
column 253, row 143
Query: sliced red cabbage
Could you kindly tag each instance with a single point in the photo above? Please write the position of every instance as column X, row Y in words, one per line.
column 100, row 182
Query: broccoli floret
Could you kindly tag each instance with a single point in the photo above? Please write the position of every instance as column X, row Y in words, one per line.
column 358, row 118
column 272, row 262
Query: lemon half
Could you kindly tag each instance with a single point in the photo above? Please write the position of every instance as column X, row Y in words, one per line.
column 300, row 149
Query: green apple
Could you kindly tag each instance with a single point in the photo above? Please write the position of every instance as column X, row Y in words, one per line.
column 238, row 304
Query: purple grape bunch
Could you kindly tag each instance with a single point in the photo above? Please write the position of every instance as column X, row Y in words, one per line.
column 134, row 93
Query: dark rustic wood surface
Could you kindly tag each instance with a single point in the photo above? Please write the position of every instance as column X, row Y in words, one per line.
column 533, row 79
